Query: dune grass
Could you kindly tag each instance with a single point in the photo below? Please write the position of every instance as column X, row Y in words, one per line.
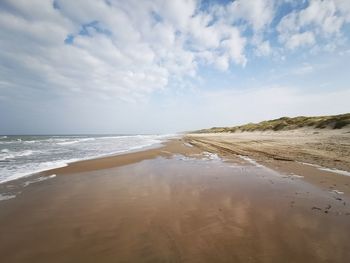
column 286, row 123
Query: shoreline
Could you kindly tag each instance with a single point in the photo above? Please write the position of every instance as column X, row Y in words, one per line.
column 213, row 143
column 48, row 163
column 164, row 149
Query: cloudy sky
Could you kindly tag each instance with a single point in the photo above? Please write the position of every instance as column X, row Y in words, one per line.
column 159, row 66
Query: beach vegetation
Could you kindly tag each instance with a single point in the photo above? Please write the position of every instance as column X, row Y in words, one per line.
column 287, row 123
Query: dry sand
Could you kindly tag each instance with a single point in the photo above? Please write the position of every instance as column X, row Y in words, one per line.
column 328, row 148
column 176, row 204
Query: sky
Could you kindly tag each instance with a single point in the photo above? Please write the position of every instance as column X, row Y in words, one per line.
column 159, row 66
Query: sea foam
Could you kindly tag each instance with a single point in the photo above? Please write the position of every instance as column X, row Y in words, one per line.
column 21, row 156
column 7, row 154
column 4, row 197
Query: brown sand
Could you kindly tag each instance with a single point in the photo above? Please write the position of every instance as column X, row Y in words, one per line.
column 328, row 148
column 174, row 204
column 285, row 151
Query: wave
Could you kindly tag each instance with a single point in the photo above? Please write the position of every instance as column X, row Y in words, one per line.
column 51, row 153
column 40, row 179
column 33, row 141
column 3, row 137
column 36, row 168
column 6, row 154
column 4, row 197
column 75, row 141
column 59, row 141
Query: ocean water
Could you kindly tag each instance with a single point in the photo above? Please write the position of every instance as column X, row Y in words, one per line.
column 24, row 155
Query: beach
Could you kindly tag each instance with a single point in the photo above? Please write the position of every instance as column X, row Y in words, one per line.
column 192, row 131
column 196, row 198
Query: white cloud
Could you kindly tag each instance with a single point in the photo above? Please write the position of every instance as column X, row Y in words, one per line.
column 129, row 49
column 222, row 62
column 263, row 48
column 319, row 20
column 178, row 13
column 321, row 14
column 234, row 47
column 125, row 48
column 344, row 8
column 258, row 13
column 300, row 39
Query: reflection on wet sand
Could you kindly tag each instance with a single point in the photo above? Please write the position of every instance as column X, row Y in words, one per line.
column 175, row 210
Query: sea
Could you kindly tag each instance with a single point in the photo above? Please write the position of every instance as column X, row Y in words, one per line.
column 22, row 156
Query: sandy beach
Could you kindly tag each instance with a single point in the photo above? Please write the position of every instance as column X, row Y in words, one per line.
column 192, row 131
column 177, row 203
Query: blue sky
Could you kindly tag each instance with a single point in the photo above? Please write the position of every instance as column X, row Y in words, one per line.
column 159, row 66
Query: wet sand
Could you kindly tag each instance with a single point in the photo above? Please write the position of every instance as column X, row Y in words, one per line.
column 176, row 204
